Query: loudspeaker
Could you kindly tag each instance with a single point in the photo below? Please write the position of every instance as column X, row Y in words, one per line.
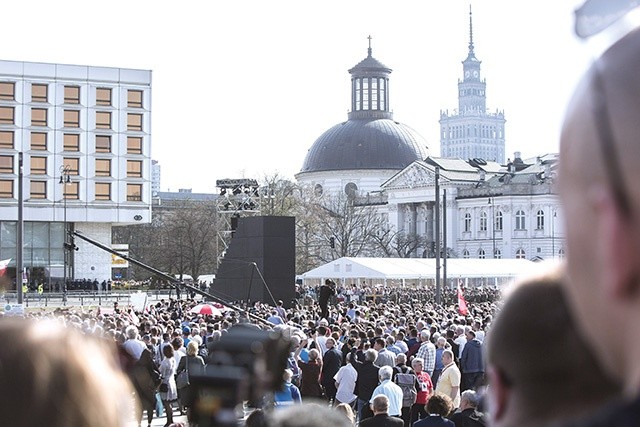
column 259, row 264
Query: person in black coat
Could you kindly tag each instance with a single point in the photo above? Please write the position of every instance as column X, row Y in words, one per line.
column 438, row 407
column 381, row 416
column 331, row 363
column 195, row 365
column 326, row 291
column 469, row 416
column 367, row 380
column 145, row 378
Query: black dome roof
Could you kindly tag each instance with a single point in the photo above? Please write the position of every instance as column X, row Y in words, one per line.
column 365, row 144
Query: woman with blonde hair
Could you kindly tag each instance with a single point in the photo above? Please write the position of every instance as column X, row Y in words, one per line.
column 56, row 376
column 347, row 411
column 192, row 364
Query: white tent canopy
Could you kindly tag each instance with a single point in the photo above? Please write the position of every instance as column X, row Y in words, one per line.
column 406, row 270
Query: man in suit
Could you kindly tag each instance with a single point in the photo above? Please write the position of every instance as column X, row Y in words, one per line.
column 331, row 362
column 381, row 418
column 469, row 416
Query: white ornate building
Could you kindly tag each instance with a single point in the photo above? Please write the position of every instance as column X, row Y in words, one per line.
column 491, row 209
column 487, row 211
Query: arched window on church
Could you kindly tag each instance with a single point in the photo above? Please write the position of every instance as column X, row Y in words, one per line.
column 481, row 254
column 520, row 254
column 467, row 222
column 465, row 254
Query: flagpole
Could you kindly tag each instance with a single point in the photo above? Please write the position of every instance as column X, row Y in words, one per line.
column 437, row 207
column 19, row 232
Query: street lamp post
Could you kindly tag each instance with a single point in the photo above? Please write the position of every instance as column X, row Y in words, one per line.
column 553, row 235
column 65, row 178
column 493, row 224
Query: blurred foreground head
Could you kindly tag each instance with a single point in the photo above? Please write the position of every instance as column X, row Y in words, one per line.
column 56, row 376
column 540, row 369
column 598, row 185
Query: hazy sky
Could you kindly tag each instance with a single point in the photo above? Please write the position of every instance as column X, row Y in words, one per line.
column 244, row 88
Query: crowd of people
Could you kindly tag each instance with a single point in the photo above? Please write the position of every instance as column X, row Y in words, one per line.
column 558, row 349
column 370, row 362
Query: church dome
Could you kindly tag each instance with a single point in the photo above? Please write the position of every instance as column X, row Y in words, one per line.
column 365, row 144
column 370, row 138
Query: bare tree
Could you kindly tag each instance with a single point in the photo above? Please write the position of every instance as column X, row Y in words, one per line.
column 189, row 238
column 181, row 239
column 353, row 227
column 393, row 243
column 278, row 196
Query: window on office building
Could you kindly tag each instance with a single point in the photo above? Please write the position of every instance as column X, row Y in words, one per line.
column 39, row 93
column 103, row 143
column 6, row 189
column 38, row 165
column 6, row 164
column 134, row 122
column 134, row 145
column 71, row 118
column 72, row 190
column 134, row 168
column 103, row 167
column 39, row 141
column 134, row 192
column 38, row 117
column 6, row 115
column 38, row 189
column 103, row 120
column 7, row 91
column 72, row 94
column 71, row 142
column 73, row 163
column 103, row 191
column 103, row 96
column 134, row 98
column 6, row 139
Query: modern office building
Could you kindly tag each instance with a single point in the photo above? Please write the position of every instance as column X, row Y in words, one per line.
column 84, row 134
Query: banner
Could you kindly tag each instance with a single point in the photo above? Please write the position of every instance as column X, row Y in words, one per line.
column 462, row 304
column 3, row 266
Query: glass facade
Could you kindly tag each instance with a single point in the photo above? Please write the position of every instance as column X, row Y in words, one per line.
column 43, row 251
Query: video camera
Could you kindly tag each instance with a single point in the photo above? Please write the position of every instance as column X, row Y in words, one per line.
column 245, row 364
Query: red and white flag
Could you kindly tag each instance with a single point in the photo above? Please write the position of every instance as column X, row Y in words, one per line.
column 3, row 266
column 462, row 304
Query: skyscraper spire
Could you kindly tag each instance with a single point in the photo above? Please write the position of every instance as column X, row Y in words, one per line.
column 470, row 30
column 369, row 50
